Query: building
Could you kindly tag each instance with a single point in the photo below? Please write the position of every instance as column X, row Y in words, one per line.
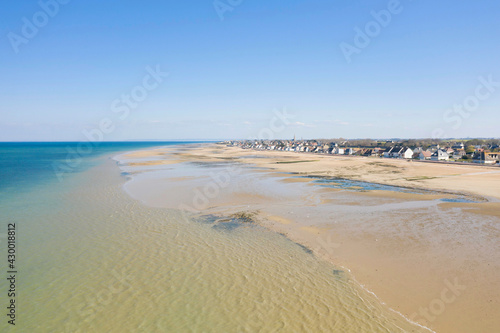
column 407, row 153
column 486, row 158
column 440, row 155
column 458, row 154
column 425, row 155
column 399, row 152
column 458, row 146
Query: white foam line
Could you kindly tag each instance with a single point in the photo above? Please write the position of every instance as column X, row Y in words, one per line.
column 397, row 312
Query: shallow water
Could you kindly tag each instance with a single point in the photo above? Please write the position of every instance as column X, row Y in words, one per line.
column 95, row 260
column 355, row 185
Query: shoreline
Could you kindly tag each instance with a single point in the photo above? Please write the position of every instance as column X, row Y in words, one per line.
column 211, row 153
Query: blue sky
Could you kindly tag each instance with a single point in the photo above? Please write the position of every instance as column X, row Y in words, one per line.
column 232, row 68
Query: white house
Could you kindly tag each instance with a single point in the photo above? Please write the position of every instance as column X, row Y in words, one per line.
column 440, row 155
column 399, row 152
column 407, row 153
column 337, row 150
column 396, row 152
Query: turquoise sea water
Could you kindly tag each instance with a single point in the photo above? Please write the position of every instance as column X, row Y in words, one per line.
column 27, row 164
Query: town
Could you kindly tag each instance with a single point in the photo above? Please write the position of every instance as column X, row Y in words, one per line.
column 460, row 151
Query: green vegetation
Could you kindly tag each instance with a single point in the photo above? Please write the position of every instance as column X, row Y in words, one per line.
column 419, row 178
column 383, row 164
column 247, row 217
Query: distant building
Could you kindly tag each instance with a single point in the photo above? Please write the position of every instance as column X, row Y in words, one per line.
column 425, row 155
column 459, row 153
column 398, row 152
column 486, row 157
column 338, row 151
column 440, row 155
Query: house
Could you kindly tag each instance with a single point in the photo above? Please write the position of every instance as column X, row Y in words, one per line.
column 399, row 152
column 360, row 152
column 370, row 153
column 425, row 155
column 486, row 157
column 349, row 151
column 396, row 152
column 458, row 146
column 418, row 150
column 338, row 151
column 434, row 147
column 392, row 152
column 459, row 153
column 407, row 153
column 440, row 155
column 449, row 150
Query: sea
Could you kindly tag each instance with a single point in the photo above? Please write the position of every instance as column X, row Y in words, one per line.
column 86, row 257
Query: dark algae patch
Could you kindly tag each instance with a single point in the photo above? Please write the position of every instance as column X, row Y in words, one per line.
column 338, row 272
column 357, row 185
column 290, row 162
column 305, row 248
column 228, row 223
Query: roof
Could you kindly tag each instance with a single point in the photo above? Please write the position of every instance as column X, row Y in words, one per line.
column 426, row 153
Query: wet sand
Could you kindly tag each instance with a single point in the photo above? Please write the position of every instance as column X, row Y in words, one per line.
column 428, row 248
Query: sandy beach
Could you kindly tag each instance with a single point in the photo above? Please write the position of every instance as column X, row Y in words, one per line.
column 423, row 237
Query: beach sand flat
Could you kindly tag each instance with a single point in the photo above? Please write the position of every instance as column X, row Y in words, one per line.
column 431, row 259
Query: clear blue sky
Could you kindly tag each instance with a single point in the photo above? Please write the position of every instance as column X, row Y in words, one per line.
column 228, row 77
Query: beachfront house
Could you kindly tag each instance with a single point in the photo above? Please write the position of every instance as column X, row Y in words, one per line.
column 387, row 152
column 425, row 155
column 418, row 150
column 360, row 152
column 459, row 153
column 338, row 151
column 440, row 155
column 371, row 153
column 486, row 157
column 399, row 152
column 396, row 152
column 449, row 150
column 407, row 153
column 434, row 148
